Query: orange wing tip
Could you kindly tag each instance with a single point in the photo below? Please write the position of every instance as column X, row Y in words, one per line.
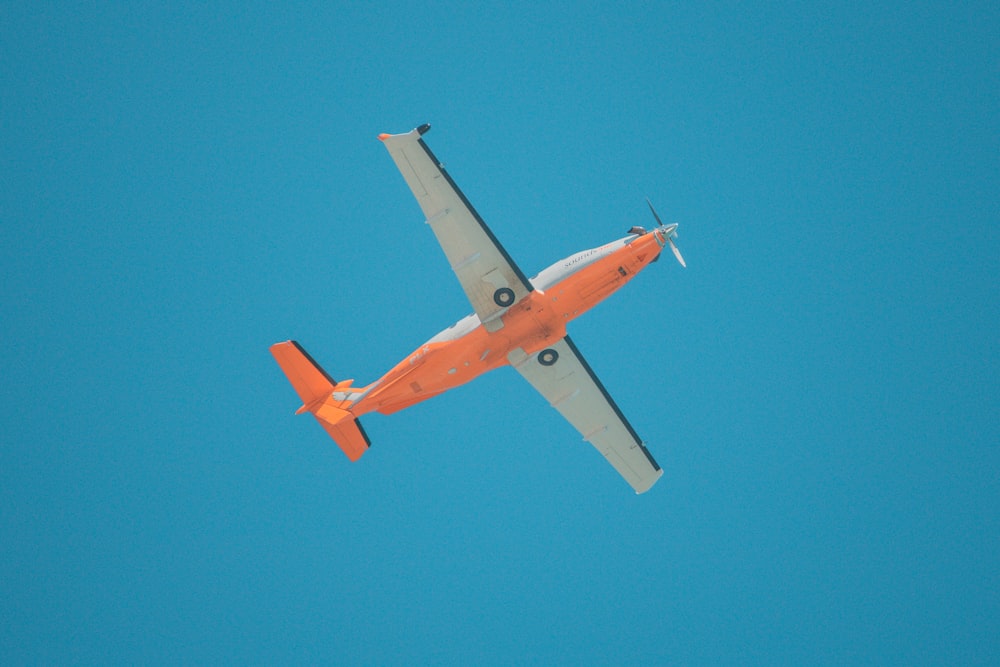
column 384, row 136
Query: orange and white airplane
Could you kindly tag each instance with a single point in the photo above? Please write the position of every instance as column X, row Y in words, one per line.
column 517, row 321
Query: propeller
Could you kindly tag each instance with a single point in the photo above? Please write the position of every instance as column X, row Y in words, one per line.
column 669, row 232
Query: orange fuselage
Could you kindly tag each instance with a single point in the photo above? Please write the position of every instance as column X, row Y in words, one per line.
column 469, row 348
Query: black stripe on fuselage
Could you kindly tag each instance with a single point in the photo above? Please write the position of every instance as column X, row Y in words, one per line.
column 611, row 402
column 517, row 270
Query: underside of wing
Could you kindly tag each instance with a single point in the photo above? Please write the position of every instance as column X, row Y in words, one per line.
column 563, row 377
column 490, row 278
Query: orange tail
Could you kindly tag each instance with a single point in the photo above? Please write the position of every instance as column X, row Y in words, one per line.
column 315, row 387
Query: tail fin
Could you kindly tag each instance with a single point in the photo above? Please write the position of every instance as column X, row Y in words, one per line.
column 315, row 387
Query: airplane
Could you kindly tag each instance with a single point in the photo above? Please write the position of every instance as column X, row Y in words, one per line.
column 518, row 321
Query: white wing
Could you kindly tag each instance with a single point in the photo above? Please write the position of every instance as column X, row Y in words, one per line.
column 488, row 275
column 562, row 376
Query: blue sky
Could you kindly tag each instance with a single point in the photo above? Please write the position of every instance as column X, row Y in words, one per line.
column 182, row 186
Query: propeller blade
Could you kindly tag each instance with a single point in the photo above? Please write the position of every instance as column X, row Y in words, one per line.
column 670, row 237
column 658, row 221
column 677, row 253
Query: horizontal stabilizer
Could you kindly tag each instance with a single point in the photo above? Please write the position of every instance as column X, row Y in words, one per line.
column 310, row 381
column 346, row 431
column 315, row 387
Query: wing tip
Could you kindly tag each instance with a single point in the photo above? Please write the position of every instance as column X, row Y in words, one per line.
column 646, row 487
column 422, row 130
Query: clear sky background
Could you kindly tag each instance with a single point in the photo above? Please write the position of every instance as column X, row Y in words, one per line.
column 182, row 186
